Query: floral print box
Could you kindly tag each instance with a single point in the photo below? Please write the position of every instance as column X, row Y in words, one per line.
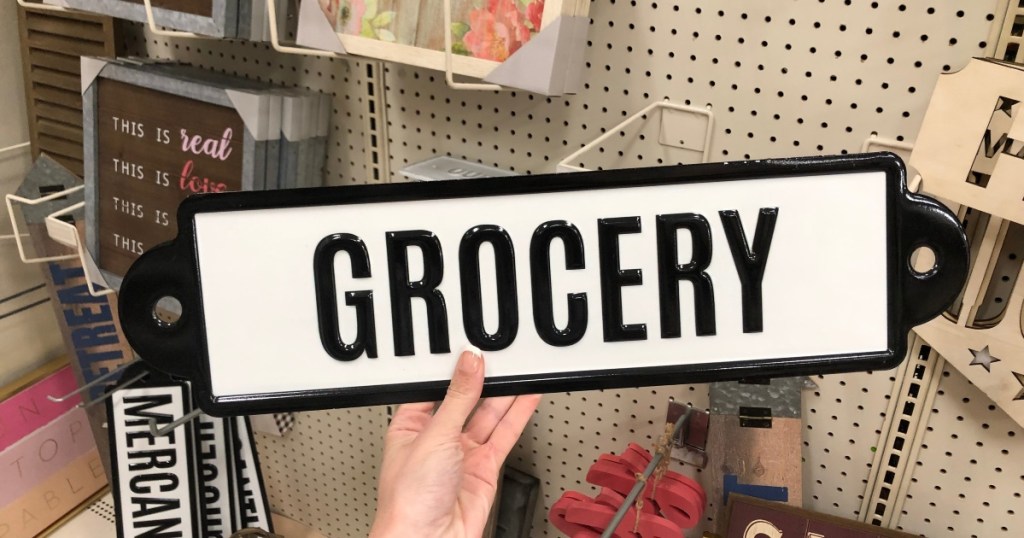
column 486, row 29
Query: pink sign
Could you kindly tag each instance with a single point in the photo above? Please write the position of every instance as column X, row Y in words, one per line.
column 44, row 452
column 29, row 409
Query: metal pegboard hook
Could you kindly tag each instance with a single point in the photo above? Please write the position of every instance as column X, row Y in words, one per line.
column 15, row 147
column 131, row 381
column 449, row 75
column 156, row 30
column 874, row 141
column 884, row 143
column 3, row 152
column 275, row 40
column 565, row 166
column 18, row 234
column 160, row 432
column 67, row 234
column 93, row 383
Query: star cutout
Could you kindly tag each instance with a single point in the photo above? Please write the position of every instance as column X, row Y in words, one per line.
column 1006, row 105
column 983, row 358
column 1020, row 379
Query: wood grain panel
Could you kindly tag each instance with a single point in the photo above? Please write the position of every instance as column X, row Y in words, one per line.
column 60, row 130
column 65, row 27
column 59, row 145
column 58, row 96
column 72, row 44
column 67, row 63
column 51, row 44
column 59, row 113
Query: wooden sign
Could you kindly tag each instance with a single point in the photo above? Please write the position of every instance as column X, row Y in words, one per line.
column 755, row 518
column 970, row 153
column 152, row 141
column 364, row 295
column 155, row 149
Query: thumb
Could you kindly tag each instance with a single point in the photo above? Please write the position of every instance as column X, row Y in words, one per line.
column 463, row 394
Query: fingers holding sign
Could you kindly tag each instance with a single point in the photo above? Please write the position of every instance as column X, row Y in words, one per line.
column 440, row 469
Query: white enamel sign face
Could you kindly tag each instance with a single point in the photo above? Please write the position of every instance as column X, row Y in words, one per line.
column 818, row 289
column 321, row 299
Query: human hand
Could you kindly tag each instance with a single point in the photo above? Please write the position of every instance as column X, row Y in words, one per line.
column 440, row 473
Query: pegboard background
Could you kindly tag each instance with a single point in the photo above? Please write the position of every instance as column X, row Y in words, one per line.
column 843, row 417
column 786, row 78
column 783, row 78
column 324, row 472
column 968, row 479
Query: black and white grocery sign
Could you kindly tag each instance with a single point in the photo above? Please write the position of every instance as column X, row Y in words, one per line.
column 365, row 295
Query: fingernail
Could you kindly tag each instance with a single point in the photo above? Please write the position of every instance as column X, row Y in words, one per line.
column 473, row 349
column 469, row 362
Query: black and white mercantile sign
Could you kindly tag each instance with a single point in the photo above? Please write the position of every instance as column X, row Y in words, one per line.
column 154, row 479
column 362, row 295
column 214, row 458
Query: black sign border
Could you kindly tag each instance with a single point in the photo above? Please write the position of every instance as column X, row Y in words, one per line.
column 912, row 221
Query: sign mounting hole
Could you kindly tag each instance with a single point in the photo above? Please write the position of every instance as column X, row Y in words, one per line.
column 923, row 262
column 167, row 311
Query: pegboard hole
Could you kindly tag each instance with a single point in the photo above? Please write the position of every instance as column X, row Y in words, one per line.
column 922, row 261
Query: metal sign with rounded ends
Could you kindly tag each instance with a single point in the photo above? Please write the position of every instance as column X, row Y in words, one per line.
column 363, row 295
